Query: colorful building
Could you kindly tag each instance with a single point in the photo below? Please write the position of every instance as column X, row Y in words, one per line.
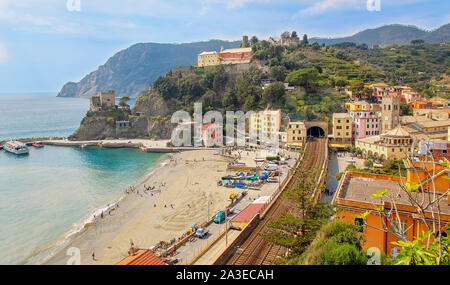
column 211, row 134
column 391, row 145
column 342, row 129
column 365, row 118
column 438, row 148
column 265, row 124
column 225, row 56
column 296, row 135
column 208, row 58
column 353, row 199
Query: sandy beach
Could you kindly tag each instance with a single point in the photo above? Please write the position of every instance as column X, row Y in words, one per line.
column 189, row 182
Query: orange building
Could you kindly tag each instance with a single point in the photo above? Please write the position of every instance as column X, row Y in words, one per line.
column 144, row 257
column 353, row 198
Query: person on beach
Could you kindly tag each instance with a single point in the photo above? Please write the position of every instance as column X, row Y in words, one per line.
column 102, row 215
column 93, row 256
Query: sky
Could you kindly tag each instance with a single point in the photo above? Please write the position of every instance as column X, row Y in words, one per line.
column 46, row 43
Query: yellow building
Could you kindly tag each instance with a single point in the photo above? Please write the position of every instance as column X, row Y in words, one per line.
column 361, row 106
column 265, row 124
column 296, row 135
column 208, row 58
column 394, row 144
column 342, row 129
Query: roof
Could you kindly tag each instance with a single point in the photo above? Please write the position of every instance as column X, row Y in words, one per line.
column 341, row 115
column 359, row 188
column 237, row 50
column 145, row 257
column 248, row 213
column 397, row 132
column 208, row 52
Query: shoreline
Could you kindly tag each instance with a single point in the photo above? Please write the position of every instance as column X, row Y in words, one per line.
column 45, row 252
column 133, row 209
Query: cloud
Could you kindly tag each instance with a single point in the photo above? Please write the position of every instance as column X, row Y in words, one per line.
column 322, row 6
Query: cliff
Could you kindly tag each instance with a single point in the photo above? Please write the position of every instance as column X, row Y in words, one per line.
column 134, row 69
column 149, row 118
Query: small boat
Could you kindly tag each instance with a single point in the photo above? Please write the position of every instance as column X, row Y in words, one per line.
column 254, row 187
column 37, row 145
column 272, row 180
column 227, row 177
column 229, row 185
column 259, row 159
column 15, row 147
column 240, row 185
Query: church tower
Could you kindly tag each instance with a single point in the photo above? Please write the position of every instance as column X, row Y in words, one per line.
column 390, row 113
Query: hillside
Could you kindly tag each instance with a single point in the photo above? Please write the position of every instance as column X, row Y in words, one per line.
column 134, row 69
column 390, row 34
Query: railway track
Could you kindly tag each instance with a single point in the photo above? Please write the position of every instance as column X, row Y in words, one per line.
column 256, row 250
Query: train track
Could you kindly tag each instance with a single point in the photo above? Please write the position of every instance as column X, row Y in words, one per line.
column 256, row 250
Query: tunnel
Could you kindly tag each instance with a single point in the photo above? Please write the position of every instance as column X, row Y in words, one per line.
column 316, row 132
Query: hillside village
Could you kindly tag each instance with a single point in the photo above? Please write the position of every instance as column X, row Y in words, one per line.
column 382, row 125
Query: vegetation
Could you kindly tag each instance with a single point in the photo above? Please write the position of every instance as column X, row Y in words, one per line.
column 337, row 243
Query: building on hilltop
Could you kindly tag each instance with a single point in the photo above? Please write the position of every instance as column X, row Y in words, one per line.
column 226, row 56
column 104, row 99
column 287, row 39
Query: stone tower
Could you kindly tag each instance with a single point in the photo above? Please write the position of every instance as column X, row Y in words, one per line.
column 244, row 41
column 390, row 113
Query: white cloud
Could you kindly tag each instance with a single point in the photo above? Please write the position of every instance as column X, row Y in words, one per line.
column 322, row 6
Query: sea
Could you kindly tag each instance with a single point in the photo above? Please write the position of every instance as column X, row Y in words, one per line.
column 47, row 196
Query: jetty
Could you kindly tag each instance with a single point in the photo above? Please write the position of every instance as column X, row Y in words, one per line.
column 145, row 145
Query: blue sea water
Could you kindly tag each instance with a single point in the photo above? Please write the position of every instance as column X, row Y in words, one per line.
column 50, row 192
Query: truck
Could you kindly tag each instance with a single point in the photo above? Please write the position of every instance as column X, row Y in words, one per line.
column 221, row 215
column 201, row 233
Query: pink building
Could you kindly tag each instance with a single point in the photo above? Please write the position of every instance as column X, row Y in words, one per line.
column 383, row 90
column 365, row 123
column 212, row 134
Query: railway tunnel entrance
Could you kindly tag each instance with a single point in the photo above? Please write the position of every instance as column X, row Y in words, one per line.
column 316, row 129
column 315, row 132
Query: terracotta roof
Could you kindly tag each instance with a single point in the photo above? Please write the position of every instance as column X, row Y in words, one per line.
column 248, row 213
column 236, row 50
column 145, row 257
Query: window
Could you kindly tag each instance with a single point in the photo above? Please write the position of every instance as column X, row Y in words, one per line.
column 359, row 223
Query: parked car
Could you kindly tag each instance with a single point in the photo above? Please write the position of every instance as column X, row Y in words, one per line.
column 271, row 167
column 201, row 233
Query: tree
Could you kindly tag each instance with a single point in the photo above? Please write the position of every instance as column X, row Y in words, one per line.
column 417, row 42
column 253, row 40
column 405, row 109
column 297, row 229
column 305, row 39
column 303, row 77
column 123, row 101
column 341, row 81
column 278, row 73
column 337, row 243
column 230, row 100
column 273, row 92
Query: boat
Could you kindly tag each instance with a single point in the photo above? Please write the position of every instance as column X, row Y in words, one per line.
column 272, row 180
column 259, row 159
column 254, row 187
column 15, row 147
column 240, row 185
column 37, row 145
